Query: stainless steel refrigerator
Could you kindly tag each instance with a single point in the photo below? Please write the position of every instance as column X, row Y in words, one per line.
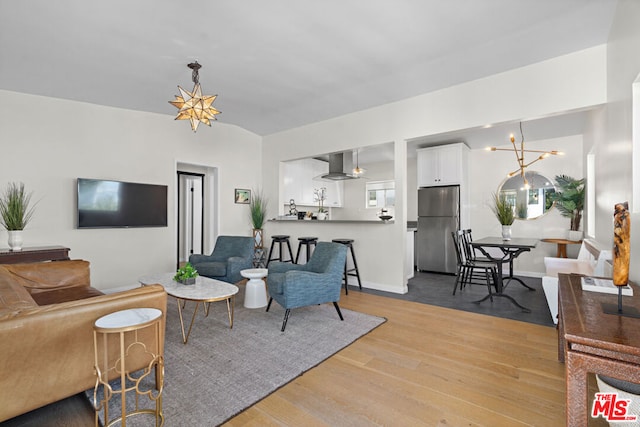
column 438, row 216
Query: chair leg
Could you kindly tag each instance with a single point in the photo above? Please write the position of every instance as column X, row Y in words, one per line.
column 290, row 253
column 335, row 304
column 286, row 317
column 355, row 266
column 269, row 305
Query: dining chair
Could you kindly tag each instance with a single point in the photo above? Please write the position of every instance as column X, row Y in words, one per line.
column 471, row 271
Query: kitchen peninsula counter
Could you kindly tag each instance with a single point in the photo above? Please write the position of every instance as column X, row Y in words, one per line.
column 332, row 221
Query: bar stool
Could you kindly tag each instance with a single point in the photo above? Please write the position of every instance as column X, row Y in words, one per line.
column 306, row 242
column 347, row 271
column 280, row 239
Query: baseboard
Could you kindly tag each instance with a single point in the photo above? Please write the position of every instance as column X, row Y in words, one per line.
column 378, row 286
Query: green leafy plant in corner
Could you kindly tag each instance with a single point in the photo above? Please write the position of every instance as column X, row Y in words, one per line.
column 15, row 212
column 569, row 199
column 187, row 271
column 502, row 209
column 258, row 210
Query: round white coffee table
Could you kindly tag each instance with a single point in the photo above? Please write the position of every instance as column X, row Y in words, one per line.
column 205, row 291
column 256, row 290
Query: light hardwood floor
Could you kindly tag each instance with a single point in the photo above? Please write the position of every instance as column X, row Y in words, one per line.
column 426, row 366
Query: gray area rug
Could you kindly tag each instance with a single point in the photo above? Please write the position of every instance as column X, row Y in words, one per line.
column 221, row 371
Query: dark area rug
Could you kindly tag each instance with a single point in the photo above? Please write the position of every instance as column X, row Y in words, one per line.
column 222, row 371
column 437, row 289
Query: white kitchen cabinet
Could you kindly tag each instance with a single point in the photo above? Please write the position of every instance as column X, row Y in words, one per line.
column 442, row 165
column 301, row 178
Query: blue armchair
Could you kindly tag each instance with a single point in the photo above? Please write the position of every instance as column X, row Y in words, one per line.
column 316, row 282
column 230, row 255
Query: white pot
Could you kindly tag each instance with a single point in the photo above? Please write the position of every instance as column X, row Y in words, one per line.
column 506, row 232
column 15, row 240
column 575, row 236
column 321, row 216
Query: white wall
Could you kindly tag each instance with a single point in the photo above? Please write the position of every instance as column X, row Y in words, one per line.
column 612, row 133
column 47, row 143
column 568, row 82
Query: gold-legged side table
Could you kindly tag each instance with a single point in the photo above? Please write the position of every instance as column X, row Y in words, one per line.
column 116, row 341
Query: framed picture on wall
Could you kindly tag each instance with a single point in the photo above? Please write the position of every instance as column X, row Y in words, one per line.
column 242, row 196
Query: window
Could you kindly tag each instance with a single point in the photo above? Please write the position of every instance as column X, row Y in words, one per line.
column 380, row 194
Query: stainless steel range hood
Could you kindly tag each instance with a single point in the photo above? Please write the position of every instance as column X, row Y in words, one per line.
column 340, row 167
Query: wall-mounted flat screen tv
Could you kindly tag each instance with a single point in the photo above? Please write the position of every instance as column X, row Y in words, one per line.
column 110, row 204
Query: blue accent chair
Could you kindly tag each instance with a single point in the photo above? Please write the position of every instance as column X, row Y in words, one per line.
column 316, row 282
column 230, row 255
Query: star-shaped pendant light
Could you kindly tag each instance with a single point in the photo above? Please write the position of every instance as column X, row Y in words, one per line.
column 192, row 105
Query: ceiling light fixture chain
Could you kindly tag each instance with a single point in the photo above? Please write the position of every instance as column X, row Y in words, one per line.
column 194, row 74
column 520, row 155
column 193, row 106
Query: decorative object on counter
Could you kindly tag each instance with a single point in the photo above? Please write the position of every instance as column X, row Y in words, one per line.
column 621, row 258
column 186, row 275
column 383, row 215
column 520, row 156
column 308, row 215
column 242, row 196
column 503, row 210
column 192, row 105
column 258, row 214
column 292, row 208
column 15, row 213
column 569, row 199
column 319, row 196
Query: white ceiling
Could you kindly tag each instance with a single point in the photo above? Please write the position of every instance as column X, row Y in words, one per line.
column 283, row 63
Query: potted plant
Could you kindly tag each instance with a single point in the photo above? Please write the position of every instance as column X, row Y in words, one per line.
column 503, row 210
column 186, row 274
column 15, row 213
column 569, row 199
column 320, row 195
column 258, row 216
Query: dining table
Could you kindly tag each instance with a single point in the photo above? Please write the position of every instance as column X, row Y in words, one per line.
column 509, row 251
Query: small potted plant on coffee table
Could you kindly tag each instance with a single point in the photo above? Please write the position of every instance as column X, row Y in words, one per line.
column 186, row 275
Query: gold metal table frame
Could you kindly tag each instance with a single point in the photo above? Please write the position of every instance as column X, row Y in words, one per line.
column 126, row 324
column 205, row 302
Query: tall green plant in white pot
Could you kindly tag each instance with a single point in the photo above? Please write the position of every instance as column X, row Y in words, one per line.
column 258, row 216
column 15, row 213
column 569, row 200
column 504, row 212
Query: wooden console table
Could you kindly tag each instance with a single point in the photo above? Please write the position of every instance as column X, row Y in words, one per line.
column 591, row 341
column 34, row 254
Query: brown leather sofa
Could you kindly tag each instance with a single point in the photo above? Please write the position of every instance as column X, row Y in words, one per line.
column 47, row 312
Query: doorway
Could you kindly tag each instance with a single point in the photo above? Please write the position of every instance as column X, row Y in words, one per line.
column 190, row 215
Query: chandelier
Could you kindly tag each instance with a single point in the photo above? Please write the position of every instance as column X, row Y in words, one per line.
column 192, row 105
column 522, row 165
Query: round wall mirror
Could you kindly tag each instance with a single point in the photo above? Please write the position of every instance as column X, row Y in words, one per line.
column 531, row 202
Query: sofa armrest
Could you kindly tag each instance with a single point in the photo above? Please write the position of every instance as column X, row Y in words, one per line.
column 47, row 352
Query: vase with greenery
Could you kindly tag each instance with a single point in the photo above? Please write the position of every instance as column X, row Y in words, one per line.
column 15, row 212
column 569, row 199
column 258, row 216
column 503, row 210
column 186, row 274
